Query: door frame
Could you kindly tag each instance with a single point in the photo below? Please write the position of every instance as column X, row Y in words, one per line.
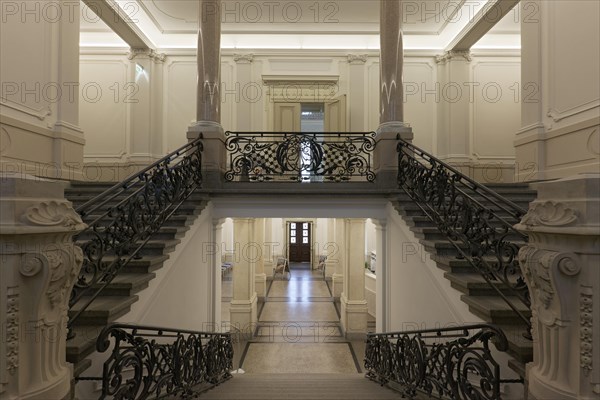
column 313, row 228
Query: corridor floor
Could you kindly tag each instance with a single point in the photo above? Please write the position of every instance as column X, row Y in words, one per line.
column 298, row 329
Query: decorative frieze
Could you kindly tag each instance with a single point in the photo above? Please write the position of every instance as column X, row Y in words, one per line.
column 52, row 213
column 586, row 320
column 12, row 330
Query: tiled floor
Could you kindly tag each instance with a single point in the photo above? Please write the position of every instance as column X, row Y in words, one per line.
column 298, row 329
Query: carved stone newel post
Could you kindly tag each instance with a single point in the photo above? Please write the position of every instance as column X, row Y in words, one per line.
column 562, row 267
column 39, row 266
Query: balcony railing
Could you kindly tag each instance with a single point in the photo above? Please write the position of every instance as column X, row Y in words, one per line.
column 454, row 363
column 300, row 157
column 152, row 363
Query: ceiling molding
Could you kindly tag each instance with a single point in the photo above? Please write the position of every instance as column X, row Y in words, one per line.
column 483, row 21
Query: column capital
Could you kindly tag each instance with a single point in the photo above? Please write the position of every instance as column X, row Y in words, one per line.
column 357, row 59
column 146, row 53
column 454, row 55
column 243, row 58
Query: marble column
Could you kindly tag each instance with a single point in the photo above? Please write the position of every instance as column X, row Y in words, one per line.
column 216, row 255
column 391, row 119
column 337, row 278
column 243, row 314
column 260, row 278
column 561, row 265
column 208, row 99
column 352, row 301
column 39, row 266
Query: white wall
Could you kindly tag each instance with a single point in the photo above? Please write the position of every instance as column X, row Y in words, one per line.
column 252, row 82
column 415, row 279
column 560, row 128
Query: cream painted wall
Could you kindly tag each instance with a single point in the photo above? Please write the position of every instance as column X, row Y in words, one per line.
column 39, row 102
column 560, row 127
column 252, row 83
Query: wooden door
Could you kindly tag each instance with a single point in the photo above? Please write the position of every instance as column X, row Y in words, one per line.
column 299, row 238
column 287, row 117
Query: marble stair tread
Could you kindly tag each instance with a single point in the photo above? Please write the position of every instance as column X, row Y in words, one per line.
column 474, row 284
column 84, row 342
column 300, row 387
column 103, row 309
column 495, row 309
column 148, row 263
column 127, row 283
column 174, row 220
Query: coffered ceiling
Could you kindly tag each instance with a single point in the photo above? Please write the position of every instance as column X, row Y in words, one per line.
column 294, row 24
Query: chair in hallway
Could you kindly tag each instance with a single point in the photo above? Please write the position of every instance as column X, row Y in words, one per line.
column 282, row 267
column 321, row 265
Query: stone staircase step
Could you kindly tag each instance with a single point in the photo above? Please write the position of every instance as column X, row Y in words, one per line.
column 81, row 366
column 300, row 387
column 103, row 309
column 126, row 284
column 473, row 284
column 84, row 342
column 175, row 220
column 519, row 347
column 495, row 310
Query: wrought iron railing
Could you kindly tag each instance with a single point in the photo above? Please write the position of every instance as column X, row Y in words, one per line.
column 118, row 232
column 455, row 363
column 477, row 221
column 298, row 157
column 152, row 363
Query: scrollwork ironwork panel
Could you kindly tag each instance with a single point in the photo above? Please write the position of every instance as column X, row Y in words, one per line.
column 152, row 363
column 118, row 232
column 455, row 363
column 477, row 221
column 297, row 157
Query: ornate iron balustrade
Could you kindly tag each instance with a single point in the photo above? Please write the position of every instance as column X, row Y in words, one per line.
column 297, row 157
column 455, row 363
column 151, row 363
column 118, row 232
column 477, row 221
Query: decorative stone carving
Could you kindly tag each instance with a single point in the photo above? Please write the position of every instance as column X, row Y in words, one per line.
column 62, row 274
column 452, row 54
column 537, row 272
column 586, row 330
column 12, row 331
column 53, row 213
column 549, row 213
column 357, row 58
column 243, row 58
column 149, row 53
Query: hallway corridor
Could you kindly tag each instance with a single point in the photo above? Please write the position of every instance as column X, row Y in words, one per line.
column 298, row 350
column 298, row 329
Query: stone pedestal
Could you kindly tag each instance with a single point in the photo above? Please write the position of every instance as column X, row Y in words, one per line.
column 214, row 154
column 39, row 266
column 561, row 265
column 385, row 157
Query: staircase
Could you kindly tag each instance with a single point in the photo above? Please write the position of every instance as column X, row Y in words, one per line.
column 481, row 299
column 116, row 300
column 300, row 387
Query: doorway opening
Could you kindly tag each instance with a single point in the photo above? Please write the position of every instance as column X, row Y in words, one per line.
column 299, row 242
